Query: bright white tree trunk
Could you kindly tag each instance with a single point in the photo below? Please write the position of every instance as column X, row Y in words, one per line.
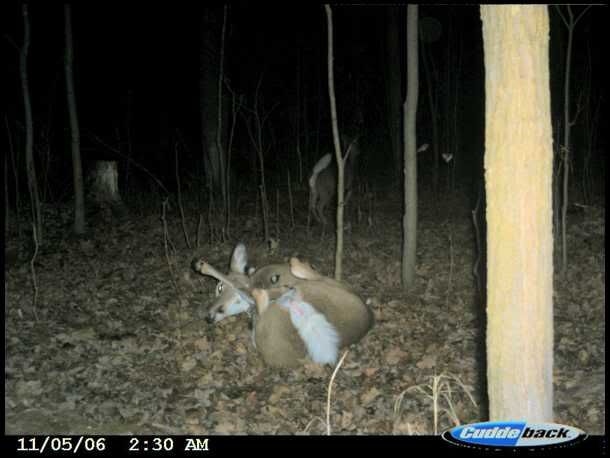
column 518, row 176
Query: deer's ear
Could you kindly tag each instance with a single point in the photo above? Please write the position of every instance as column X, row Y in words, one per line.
column 239, row 259
column 303, row 270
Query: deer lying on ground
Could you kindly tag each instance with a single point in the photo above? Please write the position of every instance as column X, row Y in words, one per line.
column 275, row 336
column 323, row 180
column 290, row 291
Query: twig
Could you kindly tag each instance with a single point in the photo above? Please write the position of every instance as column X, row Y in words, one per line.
column 33, row 271
column 15, row 174
column 169, row 429
column 440, row 386
column 451, row 264
column 477, row 236
column 349, row 149
column 277, row 212
column 180, row 206
column 330, row 388
column 166, row 245
column 290, row 202
column 198, row 234
column 311, row 423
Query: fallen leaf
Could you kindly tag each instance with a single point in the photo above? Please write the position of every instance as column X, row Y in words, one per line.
column 202, row 344
column 278, row 392
column 370, row 395
column 394, row 356
column 188, row 364
column 370, row 371
column 427, row 362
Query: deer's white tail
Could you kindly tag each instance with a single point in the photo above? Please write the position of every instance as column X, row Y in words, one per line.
column 320, row 337
column 323, row 180
column 314, row 191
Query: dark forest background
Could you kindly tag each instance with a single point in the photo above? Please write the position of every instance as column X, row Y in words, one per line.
column 137, row 72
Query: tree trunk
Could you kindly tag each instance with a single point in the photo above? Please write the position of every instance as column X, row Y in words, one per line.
column 518, row 175
column 337, row 142
column 570, row 23
column 77, row 169
column 210, row 68
column 6, row 200
column 297, row 117
column 409, row 219
column 221, row 128
column 29, row 130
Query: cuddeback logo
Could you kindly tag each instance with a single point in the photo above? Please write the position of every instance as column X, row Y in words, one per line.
column 513, row 434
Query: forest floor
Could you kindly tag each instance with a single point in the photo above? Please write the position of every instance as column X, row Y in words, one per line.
column 115, row 344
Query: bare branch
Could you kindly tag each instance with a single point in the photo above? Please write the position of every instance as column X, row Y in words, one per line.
column 558, row 9
column 349, row 149
column 11, row 41
column 582, row 14
column 579, row 108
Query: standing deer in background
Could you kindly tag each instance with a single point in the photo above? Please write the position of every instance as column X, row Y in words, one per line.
column 323, row 179
column 284, row 335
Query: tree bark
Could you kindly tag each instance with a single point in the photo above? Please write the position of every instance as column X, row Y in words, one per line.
column 409, row 220
column 337, row 142
column 6, row 200
column 77, row 169
column 219, row 130
column 518, row 178
column 29, row 130
column 210, row 69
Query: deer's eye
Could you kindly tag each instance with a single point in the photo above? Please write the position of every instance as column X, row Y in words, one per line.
column 219, row 288
column 275, row 278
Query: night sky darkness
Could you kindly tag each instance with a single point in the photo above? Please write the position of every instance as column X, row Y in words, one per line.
column 142, row 60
